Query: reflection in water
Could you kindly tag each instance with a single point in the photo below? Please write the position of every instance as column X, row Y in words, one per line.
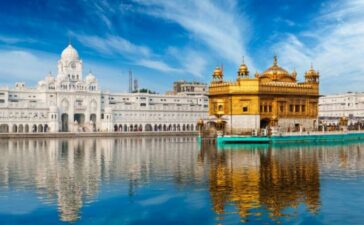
column 274, row 179
column 69, row 172
column 252, row 182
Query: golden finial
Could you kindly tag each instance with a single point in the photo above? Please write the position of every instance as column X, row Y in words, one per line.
column 294, row 73
column 275, row 62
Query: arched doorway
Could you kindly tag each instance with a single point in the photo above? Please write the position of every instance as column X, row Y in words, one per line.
column 21, row 128
column 80, row 118
column 64, row 119
column 93, row 119
column 120, row 127
column 148, row 127
column 46, row 128
column 26, row 128
column 4, row 128
column 15, row 128
column 264, row 123
column 40, row 128
column 34, row 128
column 115, row 127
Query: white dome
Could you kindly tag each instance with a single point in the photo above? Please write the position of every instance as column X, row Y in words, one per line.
column 41, row 83
column 69, row 53
column 90, row 78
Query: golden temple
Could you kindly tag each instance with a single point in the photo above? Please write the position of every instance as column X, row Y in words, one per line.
column 273, row 98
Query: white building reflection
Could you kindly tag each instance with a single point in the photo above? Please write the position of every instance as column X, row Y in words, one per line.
column 70, row 172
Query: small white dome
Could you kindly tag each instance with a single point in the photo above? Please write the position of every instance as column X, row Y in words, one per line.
column 90, row 78
column 69, row 53
column 41, row 83
column 50, row 79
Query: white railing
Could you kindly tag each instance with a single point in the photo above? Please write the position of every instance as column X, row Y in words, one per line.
column 316, row 133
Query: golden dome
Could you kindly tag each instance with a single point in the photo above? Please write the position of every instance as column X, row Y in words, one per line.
column 243, row 70
column 217, row 73
column 277, row 73
column 275, row 70
column 312, row 76
column 311, row 72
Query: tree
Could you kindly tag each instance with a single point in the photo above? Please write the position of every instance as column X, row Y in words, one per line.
column 144, row 90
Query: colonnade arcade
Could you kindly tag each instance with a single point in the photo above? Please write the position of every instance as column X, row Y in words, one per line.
column 154, row 127
column 24, row 128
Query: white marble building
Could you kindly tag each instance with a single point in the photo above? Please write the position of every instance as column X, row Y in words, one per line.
column 69, row 102
column 349, row 105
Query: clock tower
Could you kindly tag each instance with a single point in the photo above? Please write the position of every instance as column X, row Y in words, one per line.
column 70, row 65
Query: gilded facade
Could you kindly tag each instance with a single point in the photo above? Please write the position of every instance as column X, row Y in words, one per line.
column 273, row 98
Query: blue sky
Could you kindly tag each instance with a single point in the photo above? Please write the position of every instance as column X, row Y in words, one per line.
column 166, row 40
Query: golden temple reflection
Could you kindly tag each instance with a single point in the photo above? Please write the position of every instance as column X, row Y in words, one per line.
column 257, row 178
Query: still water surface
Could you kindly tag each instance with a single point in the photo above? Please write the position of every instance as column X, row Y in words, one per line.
column 174, row 180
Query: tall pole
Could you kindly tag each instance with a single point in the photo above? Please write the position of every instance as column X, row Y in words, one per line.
column 130, row 82
column 231, row 115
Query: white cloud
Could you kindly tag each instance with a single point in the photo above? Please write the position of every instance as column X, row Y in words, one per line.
column 21, row 65
column 15, row 40
column 192, row 61
column 218, row 26
column 335, row 46
column 157, row 65
column 212, row 24
column 30, row 67
column 136, row 54
column 113, row 45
